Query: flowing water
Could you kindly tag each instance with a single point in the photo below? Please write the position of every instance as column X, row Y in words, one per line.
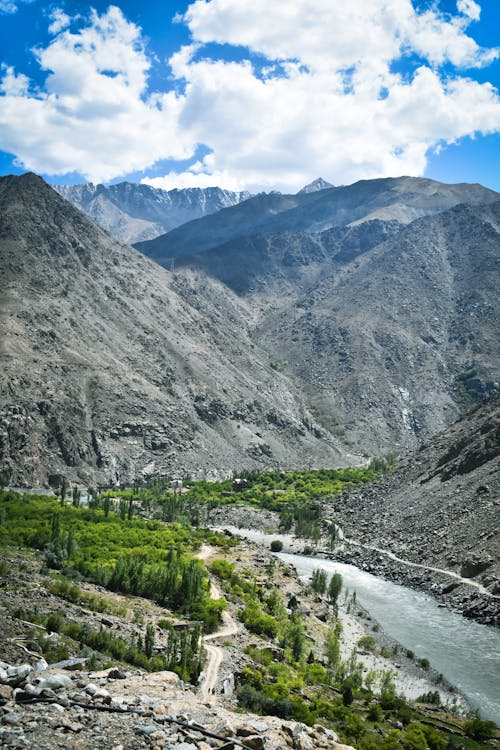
column 466, row 653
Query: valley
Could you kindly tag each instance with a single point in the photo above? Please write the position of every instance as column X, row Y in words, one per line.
column 287, row 651
column 318, row 371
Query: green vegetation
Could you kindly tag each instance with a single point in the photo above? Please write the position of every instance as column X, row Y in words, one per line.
column 72, row 593
column 181, row 654
column 120, row 552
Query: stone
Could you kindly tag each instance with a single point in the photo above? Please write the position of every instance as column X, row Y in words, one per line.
column 147, row 729
column 6, row 692
column 62, row 722
column 255, row 741
column 11, row 718
column 41, row 665
column 301, row 738
column 71, row 665
column 15, row 675
column 52, row 681
column 259, row 726
column 225, row 729
column 162, row 709
column 116, row 674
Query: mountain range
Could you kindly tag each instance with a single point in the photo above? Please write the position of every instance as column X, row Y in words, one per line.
column 113, row 368
column 382, row 318
column 284, row 331
column 133, row 212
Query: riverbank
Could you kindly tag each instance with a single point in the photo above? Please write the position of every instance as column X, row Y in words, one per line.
column 465, row 653
column 459, row 594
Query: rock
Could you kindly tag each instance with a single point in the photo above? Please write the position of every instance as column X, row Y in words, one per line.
column 320, row 731
column 62, row 722
column 147, row 730
column 255, row 741
column 259, row 726
column 52, row 681
column 11, row 718
column 116, row 674
column 475, row 565
column 15, row 675
column 225, row 729
column 6, row 692
column 41, row 665
column 301, row 738
column 162, row 709
column 103, row 695
column 71, row 665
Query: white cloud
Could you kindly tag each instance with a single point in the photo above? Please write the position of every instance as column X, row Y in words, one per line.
column 470, row 9
column 93, row 115
column 327, row 100
column 60, row 21
column 7, row 6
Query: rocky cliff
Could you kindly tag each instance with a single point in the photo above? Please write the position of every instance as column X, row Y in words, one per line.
column 113, row 368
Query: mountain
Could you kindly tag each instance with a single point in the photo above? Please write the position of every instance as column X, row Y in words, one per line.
column 439, row 507
column 134, row 212
column 377, row 322
column 391, row 343
column 318, row 184
column 401, row 199
column 114, row 368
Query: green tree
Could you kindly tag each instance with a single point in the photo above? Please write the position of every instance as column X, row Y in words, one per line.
column 319, row 580
column 334, row 588
column 149, row 641
column 332, row 648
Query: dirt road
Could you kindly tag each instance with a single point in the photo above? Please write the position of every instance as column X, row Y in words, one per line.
column 214, row 652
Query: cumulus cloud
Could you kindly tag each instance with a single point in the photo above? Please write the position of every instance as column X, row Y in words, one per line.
column 93, row 115
column 60, row 20
column 323, row 96
column 470, row 9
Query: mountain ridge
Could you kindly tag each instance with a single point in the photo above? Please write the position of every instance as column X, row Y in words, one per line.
column 401, row 199
column 113, row 368
column 134, row 212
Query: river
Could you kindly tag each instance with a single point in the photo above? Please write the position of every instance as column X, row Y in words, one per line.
column 466, row 653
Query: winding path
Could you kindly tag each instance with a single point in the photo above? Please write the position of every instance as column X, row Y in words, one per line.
column 214, row 652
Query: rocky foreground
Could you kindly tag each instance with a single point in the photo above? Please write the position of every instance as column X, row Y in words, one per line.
column 49, row 707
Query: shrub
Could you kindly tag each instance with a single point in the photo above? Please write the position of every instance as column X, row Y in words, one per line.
column 55, row 622
column 276, row 545
column 480, row 729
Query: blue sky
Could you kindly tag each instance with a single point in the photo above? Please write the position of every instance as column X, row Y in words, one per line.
column 249, row 94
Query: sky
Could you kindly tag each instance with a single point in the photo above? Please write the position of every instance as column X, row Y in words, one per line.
column 250, row 94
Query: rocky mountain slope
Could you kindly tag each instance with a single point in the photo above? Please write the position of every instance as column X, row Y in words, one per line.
column 113, row 367
column 133, row 213
column 401, row 199
column 389, row 329
column 440, row 507
column 389, row 342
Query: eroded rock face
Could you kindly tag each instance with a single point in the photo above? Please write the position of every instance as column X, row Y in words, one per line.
column 379, row 299
column 430, row 512
column 113, row 368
